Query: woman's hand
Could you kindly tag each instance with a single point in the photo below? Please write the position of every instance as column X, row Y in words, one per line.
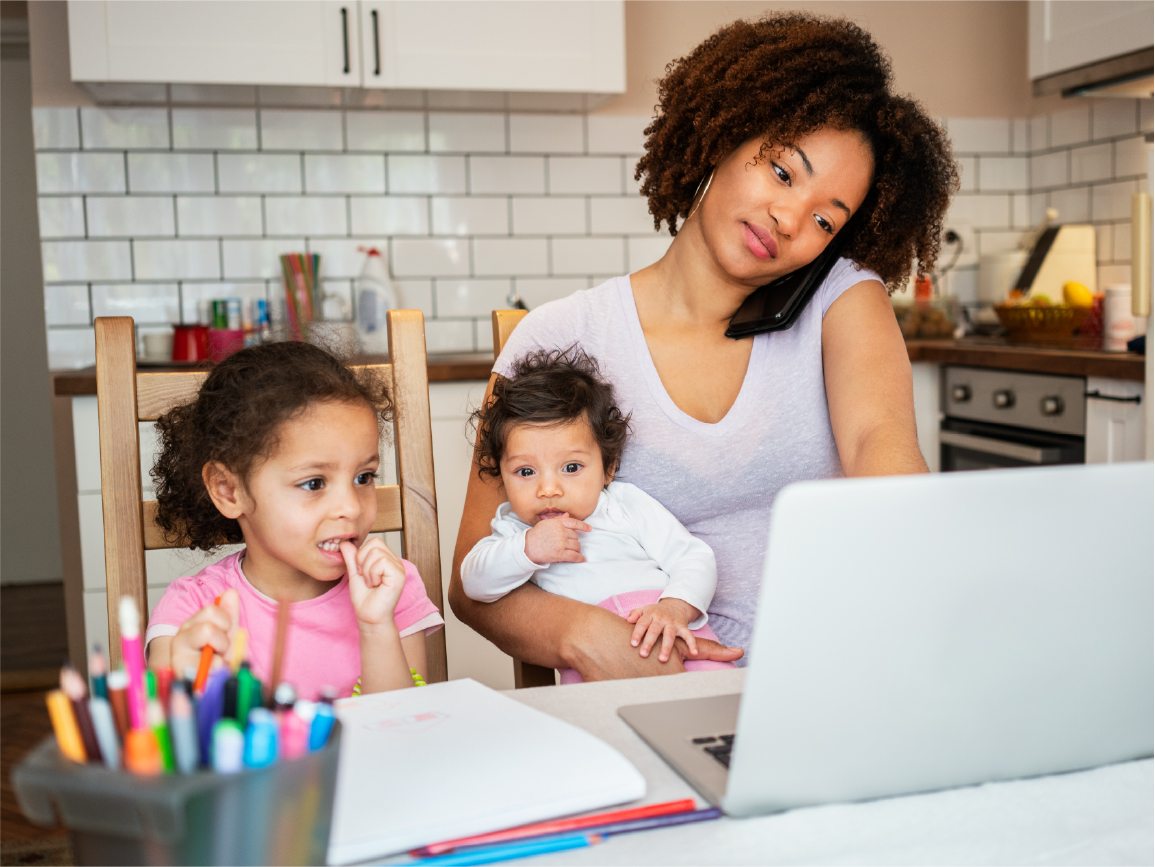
column 212, row 626
column 668, row 619
column 376, row 579
column 555, row 540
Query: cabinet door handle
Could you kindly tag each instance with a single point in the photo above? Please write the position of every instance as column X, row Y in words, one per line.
column 1095, row 395
column 345, row 35
column 376, row 45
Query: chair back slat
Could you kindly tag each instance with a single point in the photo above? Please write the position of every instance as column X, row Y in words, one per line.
column 120, row 485
column 525, row 674
column 388, row 519
column 414, row 448
column 157, row 393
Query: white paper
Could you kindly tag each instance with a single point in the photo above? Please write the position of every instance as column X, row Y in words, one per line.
column 454, row 759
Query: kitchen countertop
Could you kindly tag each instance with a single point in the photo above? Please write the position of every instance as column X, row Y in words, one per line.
column 997, row 353
column 443, row 367
column 969, row 352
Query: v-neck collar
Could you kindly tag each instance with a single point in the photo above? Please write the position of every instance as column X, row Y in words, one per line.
column 738, row 409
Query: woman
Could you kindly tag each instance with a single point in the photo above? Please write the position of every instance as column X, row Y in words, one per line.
column 770, row 137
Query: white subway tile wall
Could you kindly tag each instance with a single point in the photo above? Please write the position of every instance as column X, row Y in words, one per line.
column 149, row 210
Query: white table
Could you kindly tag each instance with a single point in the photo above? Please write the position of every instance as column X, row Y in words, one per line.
column 1101, row 816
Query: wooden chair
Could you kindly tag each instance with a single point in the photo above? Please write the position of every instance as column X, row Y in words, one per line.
column 125, row 397
column 525, row 674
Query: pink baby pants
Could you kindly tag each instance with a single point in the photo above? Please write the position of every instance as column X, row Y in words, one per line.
column 622, row 604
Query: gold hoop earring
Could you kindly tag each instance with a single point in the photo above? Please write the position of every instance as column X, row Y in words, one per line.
column 700, row 194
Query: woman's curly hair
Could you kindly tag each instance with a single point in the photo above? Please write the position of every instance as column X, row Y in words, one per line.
column 550, row 387
column 782, row 78
column 235, row 419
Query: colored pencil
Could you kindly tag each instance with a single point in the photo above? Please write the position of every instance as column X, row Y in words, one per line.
column 558, row 826
column 509, row 851
column 279, row 648
column 206, row 662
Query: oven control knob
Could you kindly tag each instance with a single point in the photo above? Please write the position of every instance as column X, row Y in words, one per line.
column 960, row 393
column 1004, row 399
column 1051, row 405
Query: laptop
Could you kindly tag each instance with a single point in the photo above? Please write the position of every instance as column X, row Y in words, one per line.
column 922, row 632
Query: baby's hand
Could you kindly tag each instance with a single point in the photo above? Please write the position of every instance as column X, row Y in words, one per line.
column 668, row 619
column 213, row 625
column 376, row 579
column 555, row 540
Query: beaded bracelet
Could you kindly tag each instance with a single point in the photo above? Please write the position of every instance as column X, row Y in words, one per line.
column 418, row 680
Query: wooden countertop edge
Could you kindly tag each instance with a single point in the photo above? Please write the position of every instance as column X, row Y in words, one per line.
column 463, row 367
column 1060, row 362
column 468, row 367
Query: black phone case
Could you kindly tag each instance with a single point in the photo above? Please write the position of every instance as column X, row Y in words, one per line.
column 777, row 305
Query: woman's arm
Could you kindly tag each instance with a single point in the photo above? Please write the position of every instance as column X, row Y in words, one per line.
column 542, row 628
column 868, row 385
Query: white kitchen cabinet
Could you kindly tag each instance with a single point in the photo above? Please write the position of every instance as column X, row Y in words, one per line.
column 213, row 42
column 1116, row 429
column 502, row 45
column 1065, row 34
column 563, row 46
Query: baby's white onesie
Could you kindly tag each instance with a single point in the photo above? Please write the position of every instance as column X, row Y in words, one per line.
column 634, row 544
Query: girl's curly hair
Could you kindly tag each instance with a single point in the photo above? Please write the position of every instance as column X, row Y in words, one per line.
column 235, row 419
column 784, row 77
column 550, row 387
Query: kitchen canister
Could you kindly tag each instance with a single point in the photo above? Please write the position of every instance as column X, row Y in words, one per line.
column 1118, row 323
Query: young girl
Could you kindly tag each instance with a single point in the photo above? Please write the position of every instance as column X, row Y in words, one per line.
column 280, row 451
column 554, row 435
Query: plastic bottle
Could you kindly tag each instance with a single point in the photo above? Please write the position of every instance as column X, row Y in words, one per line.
column 376, row 294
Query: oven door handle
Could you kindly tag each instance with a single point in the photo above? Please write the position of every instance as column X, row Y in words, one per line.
column 1002, row 448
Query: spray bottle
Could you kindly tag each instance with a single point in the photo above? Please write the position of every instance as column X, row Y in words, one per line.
column 376, row 294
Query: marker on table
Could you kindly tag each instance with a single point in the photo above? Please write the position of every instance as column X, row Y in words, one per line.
column 72, row 684
column 206, row 661
column 117, row 684
column 184, row 730
column 509, row 851
column 142, row 753
column 98, row 671
column 159, row 727
column 133, row 652
column 64, row 725
column 228, row 747
column 105, row 726
column 560, row 826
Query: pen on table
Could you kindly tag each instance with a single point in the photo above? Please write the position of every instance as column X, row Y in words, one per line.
column 206, row 661
column 559, row 826
column 72, row 684
column 509, row 851
column 133, row 653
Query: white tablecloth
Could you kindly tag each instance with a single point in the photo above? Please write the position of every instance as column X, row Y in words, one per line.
column 1102, row 816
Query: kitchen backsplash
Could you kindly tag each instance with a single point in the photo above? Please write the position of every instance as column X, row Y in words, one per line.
column 146, row 211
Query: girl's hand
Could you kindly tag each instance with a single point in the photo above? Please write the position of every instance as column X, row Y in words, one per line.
column 376, row 579
column 214, row 626
column 555, row 540
column 669, row 620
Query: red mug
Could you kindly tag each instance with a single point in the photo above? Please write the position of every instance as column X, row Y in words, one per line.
column 190, row 343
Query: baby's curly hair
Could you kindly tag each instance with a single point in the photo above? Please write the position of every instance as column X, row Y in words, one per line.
column 784, row 77
column 550, row 387
column 235, row 419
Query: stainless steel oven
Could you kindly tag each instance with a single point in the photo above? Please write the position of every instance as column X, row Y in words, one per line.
column 999, row 418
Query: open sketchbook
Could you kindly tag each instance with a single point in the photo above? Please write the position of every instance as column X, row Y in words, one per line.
column 455, row 759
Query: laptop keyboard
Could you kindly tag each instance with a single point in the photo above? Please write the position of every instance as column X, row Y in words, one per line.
column 719, row 746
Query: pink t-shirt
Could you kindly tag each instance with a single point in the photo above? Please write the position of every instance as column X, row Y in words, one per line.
column 323, row 647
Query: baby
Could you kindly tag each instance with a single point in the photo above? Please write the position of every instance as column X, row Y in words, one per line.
column 554, row 436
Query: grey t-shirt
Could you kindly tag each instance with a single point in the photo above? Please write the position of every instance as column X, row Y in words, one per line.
column 719, row 480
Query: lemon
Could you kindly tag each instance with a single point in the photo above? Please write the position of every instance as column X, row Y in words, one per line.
column 1077, row 295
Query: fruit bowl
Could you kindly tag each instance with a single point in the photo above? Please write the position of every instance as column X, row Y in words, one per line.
column 1041, row 326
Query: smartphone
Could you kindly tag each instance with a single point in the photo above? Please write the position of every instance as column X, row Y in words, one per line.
column 777, row 306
